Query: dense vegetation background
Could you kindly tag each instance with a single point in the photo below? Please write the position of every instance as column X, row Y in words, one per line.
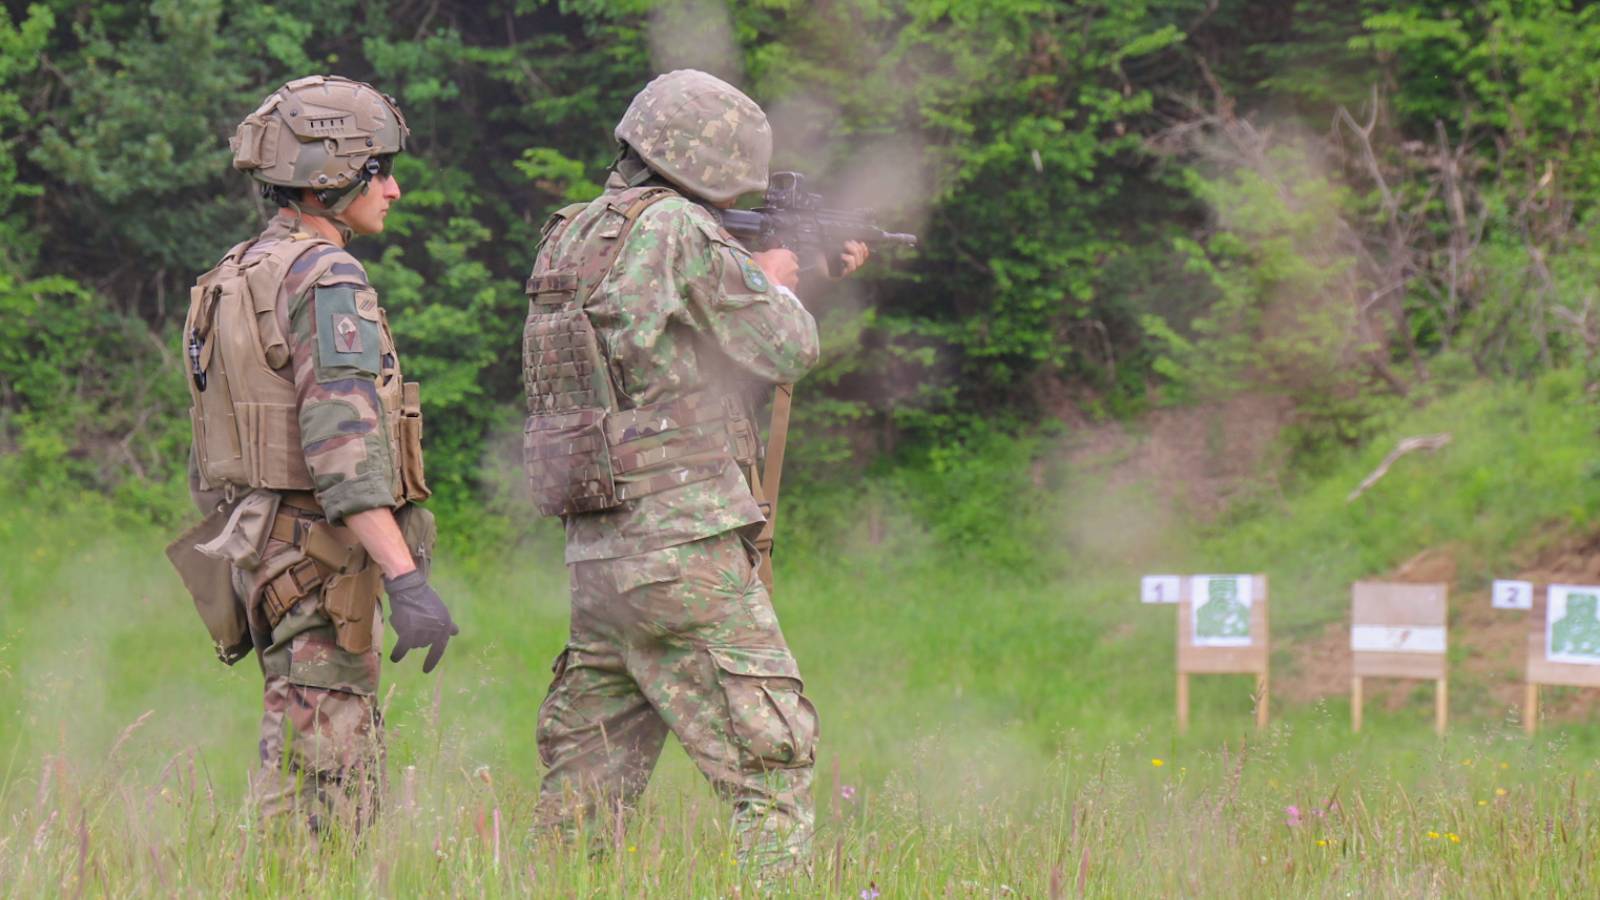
column 1124, row 203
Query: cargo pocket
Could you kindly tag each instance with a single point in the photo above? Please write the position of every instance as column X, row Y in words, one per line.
column 774, row 724
column 655, row 567
column 545, row 730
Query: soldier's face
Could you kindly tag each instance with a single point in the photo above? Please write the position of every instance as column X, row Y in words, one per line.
column 366, row 213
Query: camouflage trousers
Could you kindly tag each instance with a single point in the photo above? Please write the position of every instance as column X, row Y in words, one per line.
column 682, row 640
column 321, row 732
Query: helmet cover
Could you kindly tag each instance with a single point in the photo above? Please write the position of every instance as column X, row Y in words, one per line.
column 700, row 133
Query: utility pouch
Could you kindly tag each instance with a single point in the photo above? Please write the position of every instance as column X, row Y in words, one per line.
column 350, row 601
column 243, row 538
column 411, row 470
column 421, row 532
column 568, row 462
column 210, row 583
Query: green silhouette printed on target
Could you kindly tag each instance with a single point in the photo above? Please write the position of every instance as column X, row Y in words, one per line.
column 1575, row 636
column 1222, row 617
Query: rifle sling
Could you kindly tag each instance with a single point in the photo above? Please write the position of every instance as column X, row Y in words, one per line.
column 772, row 475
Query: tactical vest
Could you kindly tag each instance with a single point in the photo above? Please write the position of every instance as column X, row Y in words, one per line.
column 245, row 413
column 582, row 450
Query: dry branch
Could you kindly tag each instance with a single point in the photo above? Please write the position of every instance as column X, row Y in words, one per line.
column 1426, row 442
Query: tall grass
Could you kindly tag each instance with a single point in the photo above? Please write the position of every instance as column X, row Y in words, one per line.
column 988, row 729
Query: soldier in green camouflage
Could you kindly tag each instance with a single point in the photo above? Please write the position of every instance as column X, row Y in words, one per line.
column 639, row 444
column 301, row 412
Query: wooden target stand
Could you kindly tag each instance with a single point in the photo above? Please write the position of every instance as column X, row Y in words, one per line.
column 1543, row 670
column 1398, row 631
column 1250, row 659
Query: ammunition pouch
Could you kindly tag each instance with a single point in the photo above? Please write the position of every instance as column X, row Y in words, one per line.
column 421, row 532
column 414, row 484
column 210, row 582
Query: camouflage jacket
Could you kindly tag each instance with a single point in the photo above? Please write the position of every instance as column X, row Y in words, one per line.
column 343, row 431
column 684, row 309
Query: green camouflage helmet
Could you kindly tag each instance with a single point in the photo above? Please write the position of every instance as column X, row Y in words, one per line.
column 318, row 132
column 700, row 133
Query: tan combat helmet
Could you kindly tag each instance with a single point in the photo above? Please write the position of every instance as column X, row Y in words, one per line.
column 700, row 133
column 321, row 133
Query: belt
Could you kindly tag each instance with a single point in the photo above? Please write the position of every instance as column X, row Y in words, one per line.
column 292, row 523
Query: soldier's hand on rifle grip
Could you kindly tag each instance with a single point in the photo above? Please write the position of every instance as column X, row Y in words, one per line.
column 419, row 617
column 854, row 257
column 781, row 265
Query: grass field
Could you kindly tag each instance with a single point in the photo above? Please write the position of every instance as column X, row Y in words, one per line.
column 989, row 730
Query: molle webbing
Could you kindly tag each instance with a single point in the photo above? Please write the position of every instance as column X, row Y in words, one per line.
column 581, row 452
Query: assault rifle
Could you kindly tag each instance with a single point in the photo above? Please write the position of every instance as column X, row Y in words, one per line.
column 794, row 219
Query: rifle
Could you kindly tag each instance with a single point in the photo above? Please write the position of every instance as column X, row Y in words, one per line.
column 797, row 220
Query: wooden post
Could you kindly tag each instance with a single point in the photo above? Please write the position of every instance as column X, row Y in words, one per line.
column 1530, row 708
column 1263, row 701
column 1355, row 703
column 1441, row 703
column 1183, row 702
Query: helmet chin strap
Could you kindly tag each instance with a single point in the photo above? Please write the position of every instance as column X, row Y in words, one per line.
column 332, row 211
column 632, row 169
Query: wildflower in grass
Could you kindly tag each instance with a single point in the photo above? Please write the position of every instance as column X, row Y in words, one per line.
column 1466, row 762
column 1291, row 816
column 1500, row 792
column 870, row 892
column 1158, row 762
column 1322, row 842
column 1483, row 803
column 1505, row 765
column 1433, row 835
column 847, row 792
column 1454, row 838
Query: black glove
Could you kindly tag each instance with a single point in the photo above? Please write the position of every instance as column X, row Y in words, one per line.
column 419, row 617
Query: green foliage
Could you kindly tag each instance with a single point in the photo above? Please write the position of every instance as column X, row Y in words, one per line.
column 1119, row 202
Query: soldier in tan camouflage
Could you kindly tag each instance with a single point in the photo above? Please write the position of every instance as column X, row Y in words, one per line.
column 651, row 331
column 307, row 451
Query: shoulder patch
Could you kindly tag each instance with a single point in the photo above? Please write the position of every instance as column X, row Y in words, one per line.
column 754, row 278
column 348, row 337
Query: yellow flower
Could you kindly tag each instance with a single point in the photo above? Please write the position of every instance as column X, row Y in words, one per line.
column 1433, row 835
column 1158, row 762
column 1455, row 838
column 1466, row 762
column 633, row 849
column 1499, row 792
column 1505, row 765
column 1483, row 803
column 1322, row 842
